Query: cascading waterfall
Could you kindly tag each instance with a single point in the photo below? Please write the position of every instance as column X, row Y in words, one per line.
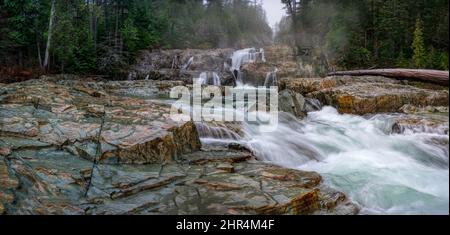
column 209, row 78
column 240, row 57
column 271, row 78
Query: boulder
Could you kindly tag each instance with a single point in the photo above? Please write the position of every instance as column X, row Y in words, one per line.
column 293, row 103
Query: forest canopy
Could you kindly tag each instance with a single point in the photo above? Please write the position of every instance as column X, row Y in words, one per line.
column 370, row 33
column 103, row 36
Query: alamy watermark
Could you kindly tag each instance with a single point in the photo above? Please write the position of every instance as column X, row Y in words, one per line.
column 226, row 104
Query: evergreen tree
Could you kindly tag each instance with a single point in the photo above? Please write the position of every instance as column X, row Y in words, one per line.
column 418, row 46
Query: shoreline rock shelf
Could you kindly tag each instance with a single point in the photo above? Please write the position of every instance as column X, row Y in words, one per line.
column 53, row 129
column 368, row 94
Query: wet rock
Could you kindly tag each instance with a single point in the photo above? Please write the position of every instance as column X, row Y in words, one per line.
column 144, row 145
column 69, row 112
column 305, row 86
column 96, row 110
column 293, row 103
column 424, row 123
column 8, row 184
column 378, row 98
column 188, row 64
column 54, row 182
column 179, row 64
column 5, row 151
column 365, row 95
column 312, row 105
column 410, row 109
column 227, row 167
column 53, row 130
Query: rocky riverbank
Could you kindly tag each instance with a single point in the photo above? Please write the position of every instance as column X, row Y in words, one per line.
column 369, row 95
column 73, row 146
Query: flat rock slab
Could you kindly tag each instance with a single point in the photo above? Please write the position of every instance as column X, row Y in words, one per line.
column 51, row 132
column 53, row 181
column 80, row 115
column 366, row 95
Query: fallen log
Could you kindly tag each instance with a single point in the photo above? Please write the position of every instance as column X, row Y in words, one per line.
column 423, row 75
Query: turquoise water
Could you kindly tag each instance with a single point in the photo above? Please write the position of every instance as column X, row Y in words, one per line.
column 385, row 173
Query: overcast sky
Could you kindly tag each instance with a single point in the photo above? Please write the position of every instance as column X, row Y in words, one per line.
column 274, row 10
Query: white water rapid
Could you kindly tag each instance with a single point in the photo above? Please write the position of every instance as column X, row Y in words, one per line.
column 383, row 172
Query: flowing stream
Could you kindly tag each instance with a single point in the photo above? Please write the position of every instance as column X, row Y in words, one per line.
column 384, row 172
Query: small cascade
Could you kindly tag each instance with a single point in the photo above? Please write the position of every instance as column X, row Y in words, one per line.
column 216, row 79
column 209, row 78
column 188, row 63
column 312, row 105
column 244, row 56
column 263, row 55
column 271, row 78
column 216, row 132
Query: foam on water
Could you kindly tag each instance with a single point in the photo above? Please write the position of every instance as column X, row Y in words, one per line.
column 385, row 173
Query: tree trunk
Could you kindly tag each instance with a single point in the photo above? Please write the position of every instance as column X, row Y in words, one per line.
column 39, row 55
column 95, row 26
column 93, row 22
column 49, row 37
column 423, row 75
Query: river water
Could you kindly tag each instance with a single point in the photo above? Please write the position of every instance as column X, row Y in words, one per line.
column 384, row 172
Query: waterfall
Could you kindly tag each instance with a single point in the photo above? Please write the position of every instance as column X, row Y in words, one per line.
column 216, row 132
column 263, row 55
column 202, row 79
column 244, row 56
column 209, row 78
column 188, row 63
column 271, row 78
column 216, row 79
